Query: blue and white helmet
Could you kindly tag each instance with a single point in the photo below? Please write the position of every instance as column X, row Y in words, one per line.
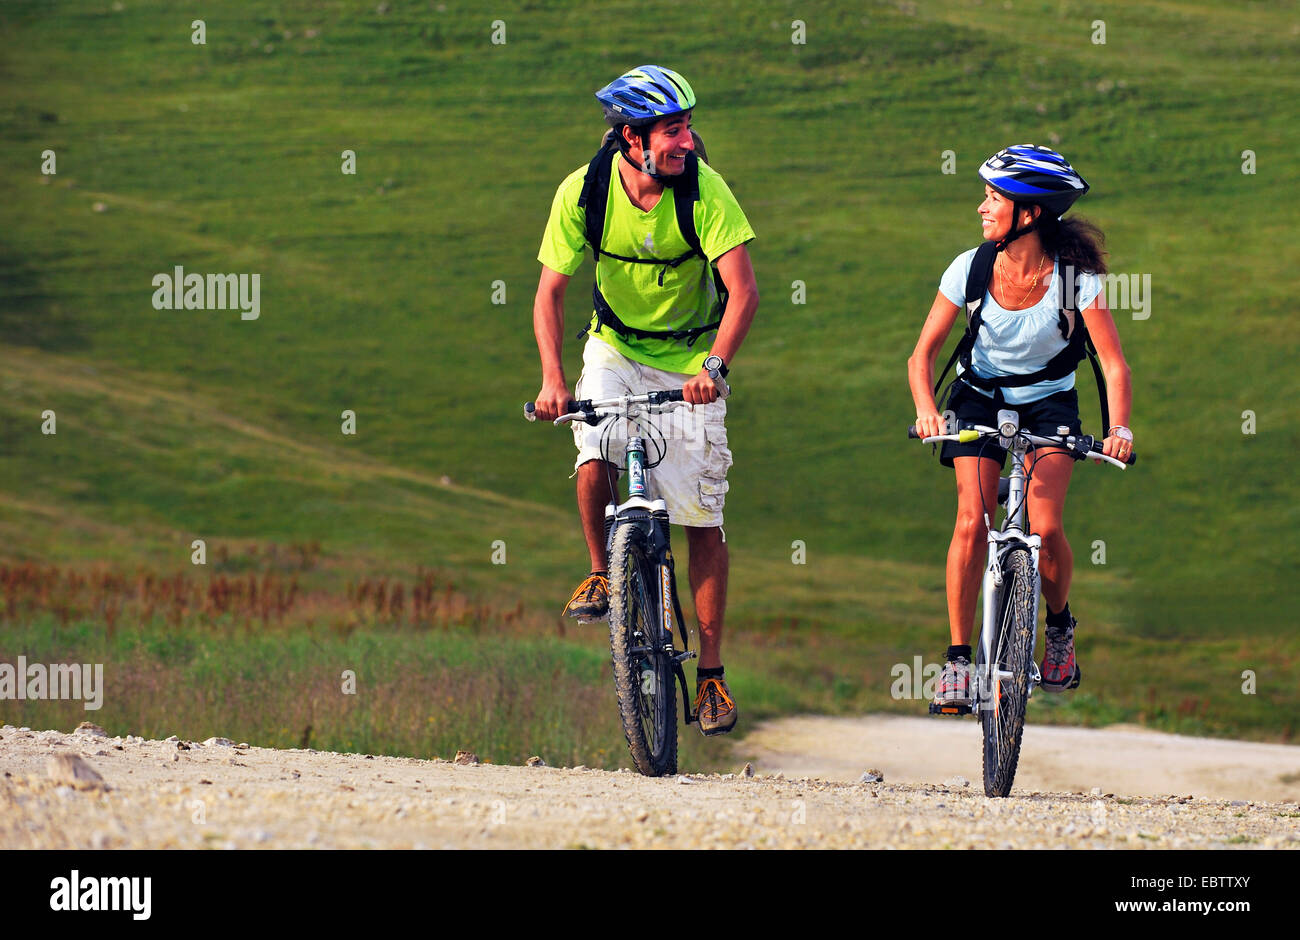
column 645, row 95
column 1033, row 174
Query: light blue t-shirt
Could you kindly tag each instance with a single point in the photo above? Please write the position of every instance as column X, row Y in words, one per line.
column 1016, row 342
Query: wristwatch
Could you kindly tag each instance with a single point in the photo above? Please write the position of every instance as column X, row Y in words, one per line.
column 715, row 363
column 1123, row 433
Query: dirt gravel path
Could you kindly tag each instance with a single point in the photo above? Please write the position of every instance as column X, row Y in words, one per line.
column 1124, row 759
column 179, row 794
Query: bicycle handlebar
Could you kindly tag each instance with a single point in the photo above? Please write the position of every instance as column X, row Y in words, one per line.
column 593, row 410
column 1080, row 447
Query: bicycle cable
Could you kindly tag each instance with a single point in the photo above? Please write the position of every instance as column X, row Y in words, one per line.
column 1055, row 451
column 1029, row 475
column 655, row 439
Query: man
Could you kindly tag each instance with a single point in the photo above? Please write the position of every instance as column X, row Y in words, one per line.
column 656, row 321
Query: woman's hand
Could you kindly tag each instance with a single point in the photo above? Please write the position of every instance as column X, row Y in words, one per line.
column 1118, row 447
column 929, row 424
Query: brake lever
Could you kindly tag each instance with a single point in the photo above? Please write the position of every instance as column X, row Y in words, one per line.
column 1082, row 447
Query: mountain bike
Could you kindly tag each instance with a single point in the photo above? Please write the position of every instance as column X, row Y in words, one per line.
column 644, row 609
column 1005, row 672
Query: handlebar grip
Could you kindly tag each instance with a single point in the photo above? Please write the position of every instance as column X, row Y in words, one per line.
column 676, row 395
column 1097, row 449
column 530, row 409
column 720, row 383
column 911, row 432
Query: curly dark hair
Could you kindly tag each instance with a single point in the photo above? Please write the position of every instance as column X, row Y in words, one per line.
column 1074, row 242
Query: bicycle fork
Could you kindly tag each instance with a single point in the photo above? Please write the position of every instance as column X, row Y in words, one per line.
column 986, row 677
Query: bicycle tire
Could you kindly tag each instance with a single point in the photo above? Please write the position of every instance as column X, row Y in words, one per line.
column 643, row 682
column 1002, row 709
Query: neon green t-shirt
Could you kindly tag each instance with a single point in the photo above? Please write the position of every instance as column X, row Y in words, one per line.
column 688, row 295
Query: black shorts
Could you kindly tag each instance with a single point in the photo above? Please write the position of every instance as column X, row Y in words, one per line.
column 1043, row 416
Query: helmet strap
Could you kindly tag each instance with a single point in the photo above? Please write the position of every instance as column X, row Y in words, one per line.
column 1015, row 232
column 646, row 165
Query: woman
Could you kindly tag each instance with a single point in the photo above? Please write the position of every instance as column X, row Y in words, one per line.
column 1027, row 189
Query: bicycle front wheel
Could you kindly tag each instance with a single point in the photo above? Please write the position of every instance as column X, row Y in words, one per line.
column 643, row 675
column 1006, row 683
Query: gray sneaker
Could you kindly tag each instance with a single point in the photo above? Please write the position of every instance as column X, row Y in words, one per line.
column 1060, row 668
column 954, row 683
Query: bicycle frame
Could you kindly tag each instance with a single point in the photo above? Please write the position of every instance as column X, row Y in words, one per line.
column 1011, row 588
column 1013, row 534
column 650, row 515
column 639, row 509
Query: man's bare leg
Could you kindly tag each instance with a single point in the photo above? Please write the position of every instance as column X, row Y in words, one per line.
column 708, row 576
column 594, row 494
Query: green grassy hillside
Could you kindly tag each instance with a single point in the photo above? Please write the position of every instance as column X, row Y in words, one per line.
column 377, row 297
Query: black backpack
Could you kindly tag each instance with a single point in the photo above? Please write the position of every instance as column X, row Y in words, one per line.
column 1070, row 323
column 594, row 199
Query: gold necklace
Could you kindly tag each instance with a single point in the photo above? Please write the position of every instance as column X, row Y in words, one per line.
column 1006, row 290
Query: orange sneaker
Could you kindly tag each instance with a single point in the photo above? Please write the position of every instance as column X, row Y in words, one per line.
column 590, row 602
column 715, row 709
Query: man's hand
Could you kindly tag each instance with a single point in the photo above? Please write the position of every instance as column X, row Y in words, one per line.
column 553, row 400
column 700, row 390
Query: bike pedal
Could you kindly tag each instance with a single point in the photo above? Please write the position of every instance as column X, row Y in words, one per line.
column 684, row 655
column 944, row 708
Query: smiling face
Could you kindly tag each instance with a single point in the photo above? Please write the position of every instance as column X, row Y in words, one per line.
column 995, row 214
column 670, row 142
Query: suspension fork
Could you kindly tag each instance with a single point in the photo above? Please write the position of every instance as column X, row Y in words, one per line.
column 670, row 609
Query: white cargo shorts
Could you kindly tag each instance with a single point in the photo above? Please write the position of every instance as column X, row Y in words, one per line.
column 692, row 478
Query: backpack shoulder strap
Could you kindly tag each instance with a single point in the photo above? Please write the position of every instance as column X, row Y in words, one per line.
column 686, row 193
column 1068, row 313
column 977, row 283
column 595, row 193
column 1079, row 333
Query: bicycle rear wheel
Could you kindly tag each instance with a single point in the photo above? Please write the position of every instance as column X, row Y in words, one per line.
column 643, row 675
column 1003, row 698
